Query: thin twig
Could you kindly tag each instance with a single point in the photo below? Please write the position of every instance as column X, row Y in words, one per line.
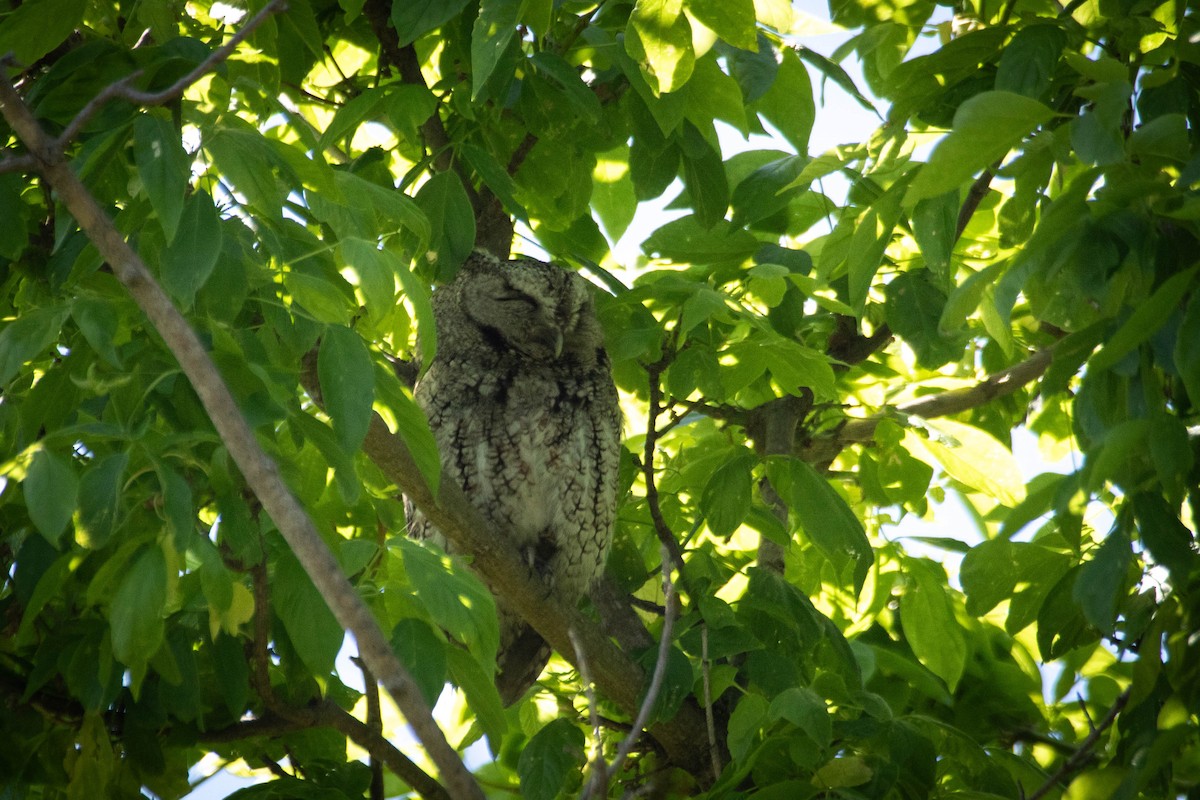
column 375, row 723
column 709, row 721
column 665, row 535
column 122, row 89
column 599, row 768
column 660, row 670
column 1083, row 755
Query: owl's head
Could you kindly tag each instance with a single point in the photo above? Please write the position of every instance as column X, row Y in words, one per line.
column 536, row 310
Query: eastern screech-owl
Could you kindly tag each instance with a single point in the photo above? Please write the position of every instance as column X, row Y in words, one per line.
column 521, row 401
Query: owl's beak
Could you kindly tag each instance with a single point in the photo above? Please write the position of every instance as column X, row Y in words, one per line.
column 548, row 341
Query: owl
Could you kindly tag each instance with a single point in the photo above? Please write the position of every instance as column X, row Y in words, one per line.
column 521, row 400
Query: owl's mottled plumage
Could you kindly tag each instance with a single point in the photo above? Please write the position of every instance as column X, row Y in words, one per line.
column 522, row 404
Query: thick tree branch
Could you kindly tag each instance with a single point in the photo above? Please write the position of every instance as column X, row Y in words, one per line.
column 261, row 473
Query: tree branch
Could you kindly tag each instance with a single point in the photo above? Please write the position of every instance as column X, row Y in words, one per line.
column 260, row 472
column 123, row 90
column 825, row 448
column 1083, row 755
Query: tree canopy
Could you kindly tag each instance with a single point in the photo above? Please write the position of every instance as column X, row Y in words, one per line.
column 220, row 226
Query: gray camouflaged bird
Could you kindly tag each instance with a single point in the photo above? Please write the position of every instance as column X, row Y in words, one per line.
column 521, row 400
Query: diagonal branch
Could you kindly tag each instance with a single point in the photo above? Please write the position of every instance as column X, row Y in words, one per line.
column 1083, row 755
column 261, row 473
column 123, row 90
column 822, row 449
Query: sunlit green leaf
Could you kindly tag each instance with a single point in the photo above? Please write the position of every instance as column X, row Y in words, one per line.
column 494, row 30
column 659, row 37
column 974, row 457
column 986, row 128
column 929, row 623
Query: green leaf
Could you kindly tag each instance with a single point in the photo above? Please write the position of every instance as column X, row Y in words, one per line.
column 34, row 28
column 934, row 221
column 494, row 30
column 763, row 192
column 805, row 709
column 135, row 616
column 613, row 196
column 659, row 38
column 347, row 385
column 837, row 74
column 178, row 509
column 318, row 297
column 423, row 654
column 50, row 488
column 314, row 631
column 1103, row 581
column 1061, row 625
column 99, row 500
column 1186, row 355
column 965, row 298
column 704, row 177
column 554, row 754
column 164, row 168
column 973, row 457
column 986, row 128
column 246, row 159
column 415, row 17
column 686, row 240
column 842, row 772
column 408, row 420
column 451, row 221
column 454, row 597
column 788, row 105
column 870, row 239
column 1027, row 62
column 989, row 575
column 26, row 337
column 475, row 680
column 97, row 322
column 376, row 276
column 824, row 515
column 745, row 723
column 732, row 20
column 914, row 310
column 927, row 617
column 189, row 259
column 1145, row 320
column 1169, row 541
column 725, row 500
